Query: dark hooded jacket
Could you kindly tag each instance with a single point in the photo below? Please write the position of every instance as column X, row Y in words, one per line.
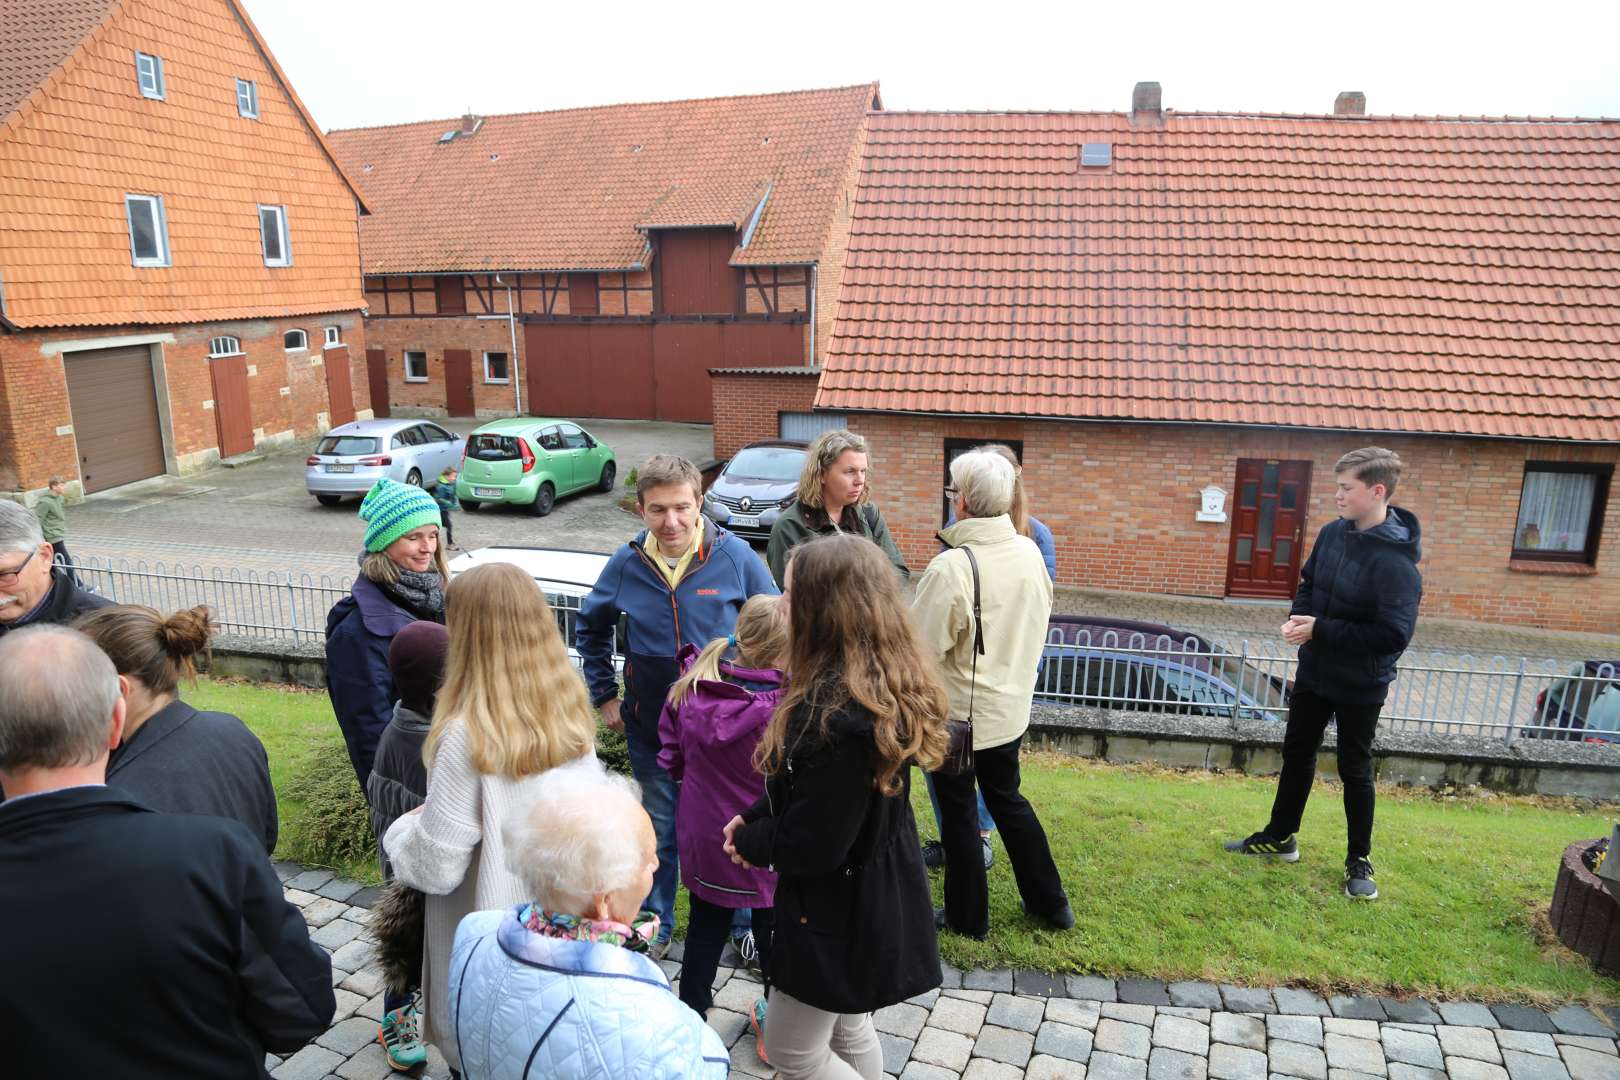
column 398, row 782
column 1363, row 589
column 359, row 629
column 66, row 601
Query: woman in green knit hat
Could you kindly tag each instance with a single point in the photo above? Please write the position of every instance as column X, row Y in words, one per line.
column 402, row 579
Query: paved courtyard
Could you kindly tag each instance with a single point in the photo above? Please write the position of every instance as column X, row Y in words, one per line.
column 1007, row 1025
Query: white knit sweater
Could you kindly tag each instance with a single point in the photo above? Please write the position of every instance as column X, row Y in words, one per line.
column 452, row 850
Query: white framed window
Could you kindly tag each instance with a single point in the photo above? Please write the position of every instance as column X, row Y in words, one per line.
column 273, row 236
column 295, row 341
column 416, row 366
column 495, row 368
column 334, row 337
column 224, row 346
column 247, row 98
column 149, row 76
column 148, row 230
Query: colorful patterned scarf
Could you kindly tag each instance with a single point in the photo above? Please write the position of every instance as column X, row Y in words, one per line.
column 636, row 937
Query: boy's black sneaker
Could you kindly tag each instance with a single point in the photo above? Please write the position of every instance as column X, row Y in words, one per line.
column 1266, row 846
column 1358, row 880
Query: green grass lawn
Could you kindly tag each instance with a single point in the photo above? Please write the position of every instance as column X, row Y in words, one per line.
column 1465, row 881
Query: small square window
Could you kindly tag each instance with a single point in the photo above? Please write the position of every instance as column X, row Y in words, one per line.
column 334, row 336
column 416, row 369
column 495, row 370
column 148, row 230
column 149, row 75
column 1561, row 511
column 247, row 98
column 295, row 341
column 273, row 236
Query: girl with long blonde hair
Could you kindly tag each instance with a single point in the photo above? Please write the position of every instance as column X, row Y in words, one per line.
column 854, row 920
column 511, row 707
column 711, row 724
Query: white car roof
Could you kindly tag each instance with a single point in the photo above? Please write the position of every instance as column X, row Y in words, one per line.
column 568, row 572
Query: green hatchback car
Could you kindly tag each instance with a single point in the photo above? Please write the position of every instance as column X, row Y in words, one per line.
column 532, row 462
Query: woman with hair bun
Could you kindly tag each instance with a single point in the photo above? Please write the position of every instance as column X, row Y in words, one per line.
column 174, row 758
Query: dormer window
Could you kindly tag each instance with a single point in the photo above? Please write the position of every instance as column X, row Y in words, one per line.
column 149, row 75
column 247, row 99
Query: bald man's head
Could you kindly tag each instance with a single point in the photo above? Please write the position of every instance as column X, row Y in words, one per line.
column 57, row 699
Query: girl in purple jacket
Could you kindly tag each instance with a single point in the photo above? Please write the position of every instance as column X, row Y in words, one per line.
column 716, row 712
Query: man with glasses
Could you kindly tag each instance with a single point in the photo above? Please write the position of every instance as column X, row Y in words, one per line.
column 34, row 591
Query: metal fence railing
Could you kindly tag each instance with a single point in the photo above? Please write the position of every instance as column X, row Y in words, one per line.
column 1435, row 692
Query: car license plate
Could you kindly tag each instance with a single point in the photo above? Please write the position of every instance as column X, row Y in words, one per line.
column 745, row 521
column 340, row 468
column 489, row 493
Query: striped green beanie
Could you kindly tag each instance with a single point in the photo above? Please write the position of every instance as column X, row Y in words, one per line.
column 391, row 509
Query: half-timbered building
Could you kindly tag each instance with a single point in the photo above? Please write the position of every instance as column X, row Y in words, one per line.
column 598, row 262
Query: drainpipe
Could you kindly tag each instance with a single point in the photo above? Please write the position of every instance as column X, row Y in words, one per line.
column 815, row 287
column 511, row 325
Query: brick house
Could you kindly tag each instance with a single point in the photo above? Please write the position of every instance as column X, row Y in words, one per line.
column 597, row 262
column 1151, row 304
column 179, row 267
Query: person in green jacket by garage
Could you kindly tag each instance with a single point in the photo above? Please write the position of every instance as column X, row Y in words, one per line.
column 834, row 497
column 53, row 523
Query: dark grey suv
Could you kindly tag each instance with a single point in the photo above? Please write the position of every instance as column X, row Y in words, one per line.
column 755, row 487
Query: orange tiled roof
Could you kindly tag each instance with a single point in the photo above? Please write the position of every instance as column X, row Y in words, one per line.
column 573, row 190
column 36, row 38
column 1387, row 274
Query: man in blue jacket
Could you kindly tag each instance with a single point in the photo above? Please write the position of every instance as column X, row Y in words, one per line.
column 1352, row 618
column 682, row 580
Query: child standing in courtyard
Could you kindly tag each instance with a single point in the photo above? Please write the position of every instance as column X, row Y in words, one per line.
column 444, row 493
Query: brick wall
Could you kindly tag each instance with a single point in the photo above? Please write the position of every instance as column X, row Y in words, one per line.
column 1120, row 500
column 746, row 407
column 34, row 399
column 434, row 335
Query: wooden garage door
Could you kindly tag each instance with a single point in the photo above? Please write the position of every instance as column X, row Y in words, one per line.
column 115, row 416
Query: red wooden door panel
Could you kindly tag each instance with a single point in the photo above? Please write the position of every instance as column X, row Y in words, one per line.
column 695, row 275
column 458, row 382
column 377, row 377
column 232, row 413
column 1268, row 527
column 339, row 386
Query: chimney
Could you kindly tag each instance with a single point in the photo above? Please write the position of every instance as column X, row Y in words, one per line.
column 1146, row 107
column 470, row 124
column 1350, row 103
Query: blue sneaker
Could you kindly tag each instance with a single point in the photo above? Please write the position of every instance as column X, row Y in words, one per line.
column 402, row 1039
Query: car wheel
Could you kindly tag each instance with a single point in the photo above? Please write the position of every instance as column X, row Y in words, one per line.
column 606, row 483
column 469, row 505
column 414, row 478
column 328, row 500
column 544, row 499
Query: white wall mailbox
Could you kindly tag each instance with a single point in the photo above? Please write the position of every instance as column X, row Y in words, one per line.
column 1214, row 508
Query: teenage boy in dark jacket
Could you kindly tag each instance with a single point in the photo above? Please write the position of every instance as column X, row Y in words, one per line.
column 140, row 945
column 683, row 579
column 1352, row 618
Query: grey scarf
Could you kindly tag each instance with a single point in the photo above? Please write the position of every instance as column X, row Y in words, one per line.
column 421, row 592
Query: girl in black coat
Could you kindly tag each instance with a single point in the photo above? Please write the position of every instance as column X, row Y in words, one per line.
column 854, row 917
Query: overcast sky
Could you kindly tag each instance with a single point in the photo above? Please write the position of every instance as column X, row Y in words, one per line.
column 363, row 62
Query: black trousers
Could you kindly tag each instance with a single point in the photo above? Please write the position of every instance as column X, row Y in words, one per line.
column 708, row 926
column 1308, row 717
column 967, row 894
column 444, row 524
column 60, row 554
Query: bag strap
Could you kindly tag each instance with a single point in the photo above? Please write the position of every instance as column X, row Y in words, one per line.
column 978, row 629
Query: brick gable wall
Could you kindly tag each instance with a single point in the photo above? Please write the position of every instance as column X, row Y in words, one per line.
column 746, row 407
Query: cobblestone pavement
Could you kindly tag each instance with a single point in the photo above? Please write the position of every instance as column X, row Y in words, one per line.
column 1006, row 1025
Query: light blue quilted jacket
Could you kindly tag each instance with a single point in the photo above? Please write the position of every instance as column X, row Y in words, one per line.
column 523, row 1006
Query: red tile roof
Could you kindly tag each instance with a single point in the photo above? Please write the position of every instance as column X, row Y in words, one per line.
column 573, row 190
column 36, row 38
column 1426, row 275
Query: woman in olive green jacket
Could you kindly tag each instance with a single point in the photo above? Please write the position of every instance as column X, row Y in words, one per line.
column 833, row 497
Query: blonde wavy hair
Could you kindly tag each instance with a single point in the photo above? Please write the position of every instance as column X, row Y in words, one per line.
column 851, row 638
column 378, row 567
column 508, row 678
column 761, row 639
column 823, row 455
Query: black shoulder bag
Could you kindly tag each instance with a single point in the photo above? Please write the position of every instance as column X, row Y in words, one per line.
column 959, row 753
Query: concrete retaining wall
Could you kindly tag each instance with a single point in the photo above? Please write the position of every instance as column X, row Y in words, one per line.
column 1529, row 767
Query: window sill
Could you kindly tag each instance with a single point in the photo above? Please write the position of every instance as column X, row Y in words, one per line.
column 409, row 378
column 498, row 382
column 1536, row 566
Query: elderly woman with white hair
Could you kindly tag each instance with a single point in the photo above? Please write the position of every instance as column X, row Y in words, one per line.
column 563, row 986
column 983, row 606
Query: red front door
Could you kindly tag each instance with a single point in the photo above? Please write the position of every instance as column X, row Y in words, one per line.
column 377, row 377
column 232, row 413
column 1268, row 525
column 458, row 382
